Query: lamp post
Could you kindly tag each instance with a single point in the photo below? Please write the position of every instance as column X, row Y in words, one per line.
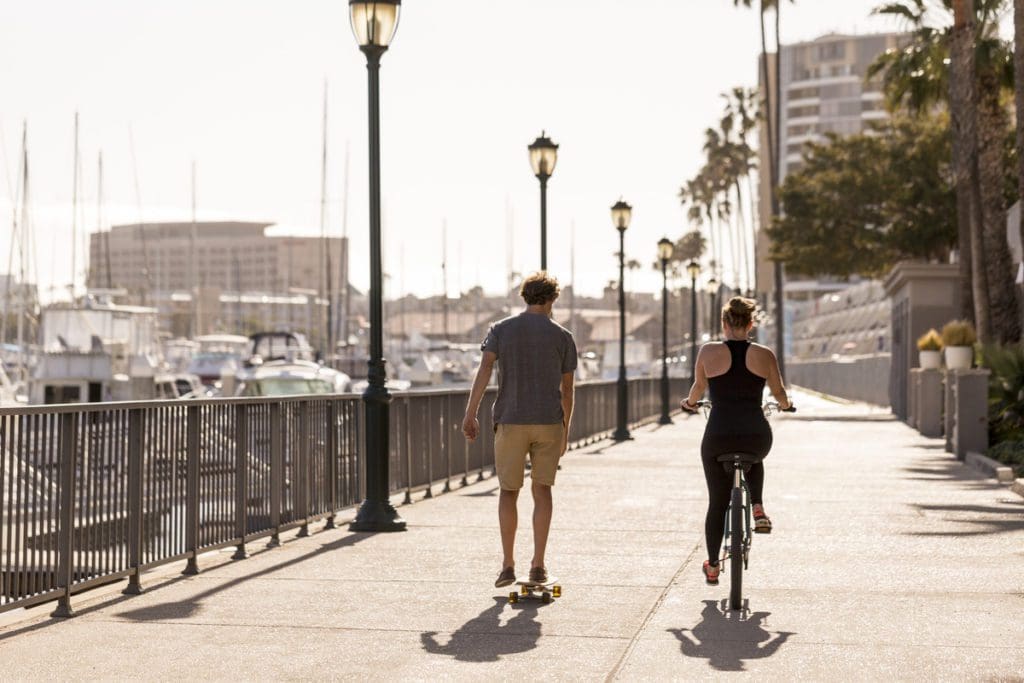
column 543, row 155
column 665, row 251
column 621, row 215
column 693, row 270
column 374, row 23
column 712, row 316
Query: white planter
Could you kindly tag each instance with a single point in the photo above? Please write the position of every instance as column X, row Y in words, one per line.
column 930, row 360
column 959, row 357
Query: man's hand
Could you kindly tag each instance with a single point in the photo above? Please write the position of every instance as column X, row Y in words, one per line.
column 471, row 427
column 565, row 442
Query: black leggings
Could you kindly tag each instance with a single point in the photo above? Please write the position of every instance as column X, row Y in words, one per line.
column 720, row 481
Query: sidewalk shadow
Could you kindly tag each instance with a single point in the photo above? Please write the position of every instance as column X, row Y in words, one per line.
column 983, row 519
column 185, row 609
column 484, row 639
column 727, row 638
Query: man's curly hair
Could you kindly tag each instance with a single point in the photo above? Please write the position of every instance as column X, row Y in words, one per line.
column 539, row 289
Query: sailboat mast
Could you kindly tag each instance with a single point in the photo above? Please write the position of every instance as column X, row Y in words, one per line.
column 105, row 234
column 14, row 234
column 327, row 291
column 444, row 275
column 572, row 276
column 74, row 215
column 343, row 257
column 193, row 238
column 21, row 253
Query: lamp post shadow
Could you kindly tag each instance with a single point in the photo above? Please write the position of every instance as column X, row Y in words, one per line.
column 484, row 639
column 727, row 639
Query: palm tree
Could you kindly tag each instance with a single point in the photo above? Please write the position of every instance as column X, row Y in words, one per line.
column 773, row 105
column 1018, row 68
column 966, row 65
column 739, row 162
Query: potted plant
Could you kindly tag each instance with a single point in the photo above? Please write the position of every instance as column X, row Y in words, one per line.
column 958, row 338
column 929, row 346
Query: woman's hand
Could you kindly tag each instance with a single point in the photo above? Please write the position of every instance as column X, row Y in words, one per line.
column 687, row 406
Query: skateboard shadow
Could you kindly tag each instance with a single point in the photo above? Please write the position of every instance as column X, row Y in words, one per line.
column 485, row 639
column 728, row 638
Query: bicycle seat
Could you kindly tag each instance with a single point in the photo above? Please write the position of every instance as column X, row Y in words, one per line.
column 744, row 459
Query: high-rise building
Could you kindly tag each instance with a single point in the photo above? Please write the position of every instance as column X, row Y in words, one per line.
column 824, row 90
column 232, row 256
column 165, row 264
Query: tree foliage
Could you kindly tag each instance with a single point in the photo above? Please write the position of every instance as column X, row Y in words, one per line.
column 859, row 204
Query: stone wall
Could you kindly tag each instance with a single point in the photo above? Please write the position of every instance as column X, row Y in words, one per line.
column 857, row 378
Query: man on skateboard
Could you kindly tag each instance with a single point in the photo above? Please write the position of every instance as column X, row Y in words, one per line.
column 536, row 359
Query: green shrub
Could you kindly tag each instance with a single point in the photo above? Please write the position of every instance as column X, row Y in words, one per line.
column 1009, row 453
column 959, row 333
column 1005, row 392
column 929, row 341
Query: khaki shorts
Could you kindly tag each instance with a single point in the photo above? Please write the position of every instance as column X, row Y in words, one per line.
column 513, row 442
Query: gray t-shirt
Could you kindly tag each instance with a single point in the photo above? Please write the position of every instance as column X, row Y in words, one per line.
column 533, row 353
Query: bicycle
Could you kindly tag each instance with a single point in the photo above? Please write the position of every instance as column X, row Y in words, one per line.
column 736, row 546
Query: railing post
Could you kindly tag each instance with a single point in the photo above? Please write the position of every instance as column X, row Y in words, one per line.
column 448, row 438
column 276, row 474
column 408, row 451
column 431, row 443
column 331, row 469
column 135, row 512
column 302, row 471
column 66, row 520
column 241, row 478
column 192, row 491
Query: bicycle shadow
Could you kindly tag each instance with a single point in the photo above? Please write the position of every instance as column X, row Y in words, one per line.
column 728, row 638
column 484, row 639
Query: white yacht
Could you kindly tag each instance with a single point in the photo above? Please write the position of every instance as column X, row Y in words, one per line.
column 219, row 354
column 290, row 377
column 96, row 351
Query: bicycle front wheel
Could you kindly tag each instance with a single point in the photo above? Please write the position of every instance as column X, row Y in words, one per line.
column 736, row 550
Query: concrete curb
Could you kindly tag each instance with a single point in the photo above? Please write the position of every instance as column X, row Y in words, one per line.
column 1018, row 487
column 986, row 465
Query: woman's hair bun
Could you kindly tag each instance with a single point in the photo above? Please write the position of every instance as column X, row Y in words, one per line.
column 739, row 312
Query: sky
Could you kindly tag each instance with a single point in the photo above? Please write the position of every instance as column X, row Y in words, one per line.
column 625, row 87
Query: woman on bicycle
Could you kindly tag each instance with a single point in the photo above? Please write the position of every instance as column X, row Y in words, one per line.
column 735, row 371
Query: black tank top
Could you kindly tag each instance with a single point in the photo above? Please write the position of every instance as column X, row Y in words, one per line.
column 736, row 396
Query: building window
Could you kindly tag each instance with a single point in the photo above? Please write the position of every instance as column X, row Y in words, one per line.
column 798, row 112
column 830, row 52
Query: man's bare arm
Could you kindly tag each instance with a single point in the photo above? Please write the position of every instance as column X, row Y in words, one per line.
column 470, row 425
column 568, row 389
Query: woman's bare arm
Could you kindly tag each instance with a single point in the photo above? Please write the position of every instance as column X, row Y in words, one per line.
column 700, row 383
column 774, row 381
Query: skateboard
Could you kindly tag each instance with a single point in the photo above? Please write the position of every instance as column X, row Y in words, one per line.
column 545, row 591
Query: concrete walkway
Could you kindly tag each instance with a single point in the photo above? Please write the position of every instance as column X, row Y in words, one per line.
column 890, row 560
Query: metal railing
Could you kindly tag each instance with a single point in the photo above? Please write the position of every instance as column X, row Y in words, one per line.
column 94, row 493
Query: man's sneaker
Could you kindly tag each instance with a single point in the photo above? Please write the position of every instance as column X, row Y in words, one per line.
column 762, row 525
column 538, row 575
column 506, row 578
column 710, row 574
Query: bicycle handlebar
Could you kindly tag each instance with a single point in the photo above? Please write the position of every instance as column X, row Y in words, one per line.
column 770, row 406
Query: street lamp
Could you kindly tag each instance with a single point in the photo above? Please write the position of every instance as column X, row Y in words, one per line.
column 665, row 251
column 713, row 325
column 621, row 215
column 543, row 155
column 373, row 24
column 693, row 270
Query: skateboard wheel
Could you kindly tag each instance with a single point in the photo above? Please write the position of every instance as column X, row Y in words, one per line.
column 524, row 590
column 513, row 598
column 556, row 591
column 545, row 597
